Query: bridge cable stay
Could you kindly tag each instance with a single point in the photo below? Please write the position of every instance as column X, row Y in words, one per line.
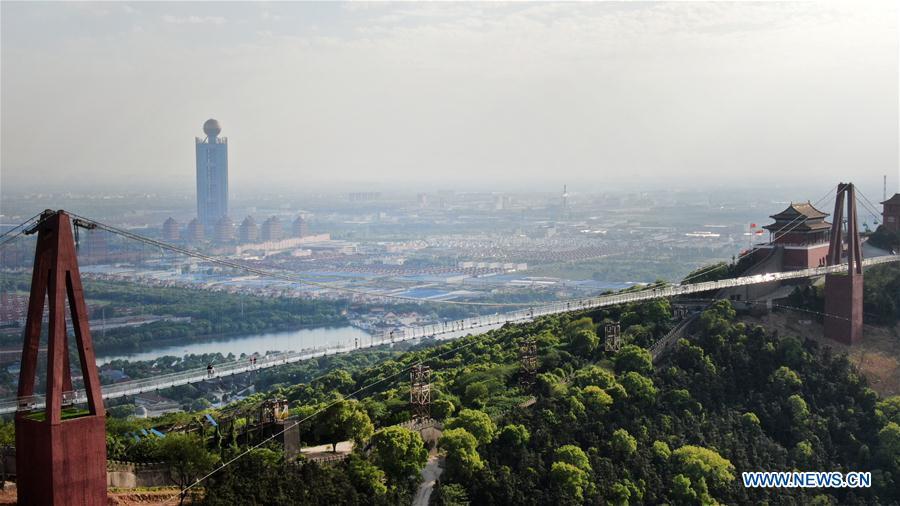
column 475, row 339
column 781, row 233
column 872, row 208
column 27, row 227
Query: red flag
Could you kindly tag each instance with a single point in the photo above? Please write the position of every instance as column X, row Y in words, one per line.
column 753, row 225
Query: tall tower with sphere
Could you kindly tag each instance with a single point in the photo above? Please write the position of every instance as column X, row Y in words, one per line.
column 212, row 175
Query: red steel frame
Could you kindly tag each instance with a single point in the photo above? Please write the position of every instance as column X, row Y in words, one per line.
column 59, row 461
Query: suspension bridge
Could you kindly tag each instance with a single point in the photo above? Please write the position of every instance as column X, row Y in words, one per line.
column 79, row 443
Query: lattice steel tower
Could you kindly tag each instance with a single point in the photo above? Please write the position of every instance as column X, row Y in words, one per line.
column 420, row 392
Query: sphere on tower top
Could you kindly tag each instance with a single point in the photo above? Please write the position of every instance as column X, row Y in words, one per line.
column 212, row 128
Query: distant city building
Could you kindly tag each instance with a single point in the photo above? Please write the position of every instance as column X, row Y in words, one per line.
column 212, row 175
column 224, row 230
column 272, row 230
column 194, row 231
column 170, row 230
column 363, row 196
column 300, row 228
column 803, row 233
column 248, row 231
column 891, row 213
column 423, row 200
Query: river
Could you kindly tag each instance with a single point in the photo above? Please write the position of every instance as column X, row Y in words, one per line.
column 259, row 343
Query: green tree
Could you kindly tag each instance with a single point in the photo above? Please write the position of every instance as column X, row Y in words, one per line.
column 400, row 452
column 344, row 420
column 441, row 409
column 574, row 455
column 576, row 326
column 888, row 410
column 889, row 444
column 460, row 448
column 623, row 443
column 569, row 480
column 585, row 342
column 749, row 419
column 451, row 494
column 514, row 436
column 477, row 423
column 798, row 408
column 594, row 375
column 366, row 476
column 633, row 358
column 639, row 387
column 186, row 458
column 596, row 399
column 785, row 380
column 661, row 450
column 698, row 463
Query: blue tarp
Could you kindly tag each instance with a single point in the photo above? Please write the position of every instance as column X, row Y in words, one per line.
column 211, row 421
column 157, row 433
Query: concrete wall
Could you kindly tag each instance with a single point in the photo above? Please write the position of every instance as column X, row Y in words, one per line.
column 132, row 475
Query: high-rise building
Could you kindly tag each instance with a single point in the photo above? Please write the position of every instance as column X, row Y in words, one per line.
column 272, row 229
column 300, row 228
column 248, row 232
column 170, row 230
column 224, row 230
column 212, row 175
column 194, row 231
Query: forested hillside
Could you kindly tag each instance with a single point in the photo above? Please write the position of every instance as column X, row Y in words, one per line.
column 604, row 427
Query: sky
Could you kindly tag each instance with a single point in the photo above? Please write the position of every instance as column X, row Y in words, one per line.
column 449, row 95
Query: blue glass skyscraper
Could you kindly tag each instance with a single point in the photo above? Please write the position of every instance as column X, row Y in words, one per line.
column 212, row 175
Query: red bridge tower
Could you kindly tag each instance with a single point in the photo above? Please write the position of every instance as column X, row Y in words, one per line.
column 844, row 291
column 60, row 454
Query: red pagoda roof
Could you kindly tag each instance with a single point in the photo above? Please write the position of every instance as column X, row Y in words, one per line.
column 794, row 210
column 895, row 200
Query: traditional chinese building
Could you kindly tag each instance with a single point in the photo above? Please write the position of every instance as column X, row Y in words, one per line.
column 891, row 213
column 802, row 232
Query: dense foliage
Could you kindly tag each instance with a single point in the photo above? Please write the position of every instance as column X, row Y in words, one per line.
column 596, row 427
column 881, row 295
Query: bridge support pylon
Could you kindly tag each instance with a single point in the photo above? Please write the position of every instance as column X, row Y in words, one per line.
column 60, row 454
column 844, row 290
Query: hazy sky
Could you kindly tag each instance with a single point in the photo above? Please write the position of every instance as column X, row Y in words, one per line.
column 372, row 94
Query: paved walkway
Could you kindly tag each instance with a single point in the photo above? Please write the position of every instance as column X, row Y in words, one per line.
column 430, row 474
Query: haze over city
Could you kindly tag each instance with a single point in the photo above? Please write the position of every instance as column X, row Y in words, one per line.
column 449, row 254
column 471, row 96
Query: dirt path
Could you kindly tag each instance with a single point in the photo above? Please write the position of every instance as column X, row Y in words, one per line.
column 430, row 474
